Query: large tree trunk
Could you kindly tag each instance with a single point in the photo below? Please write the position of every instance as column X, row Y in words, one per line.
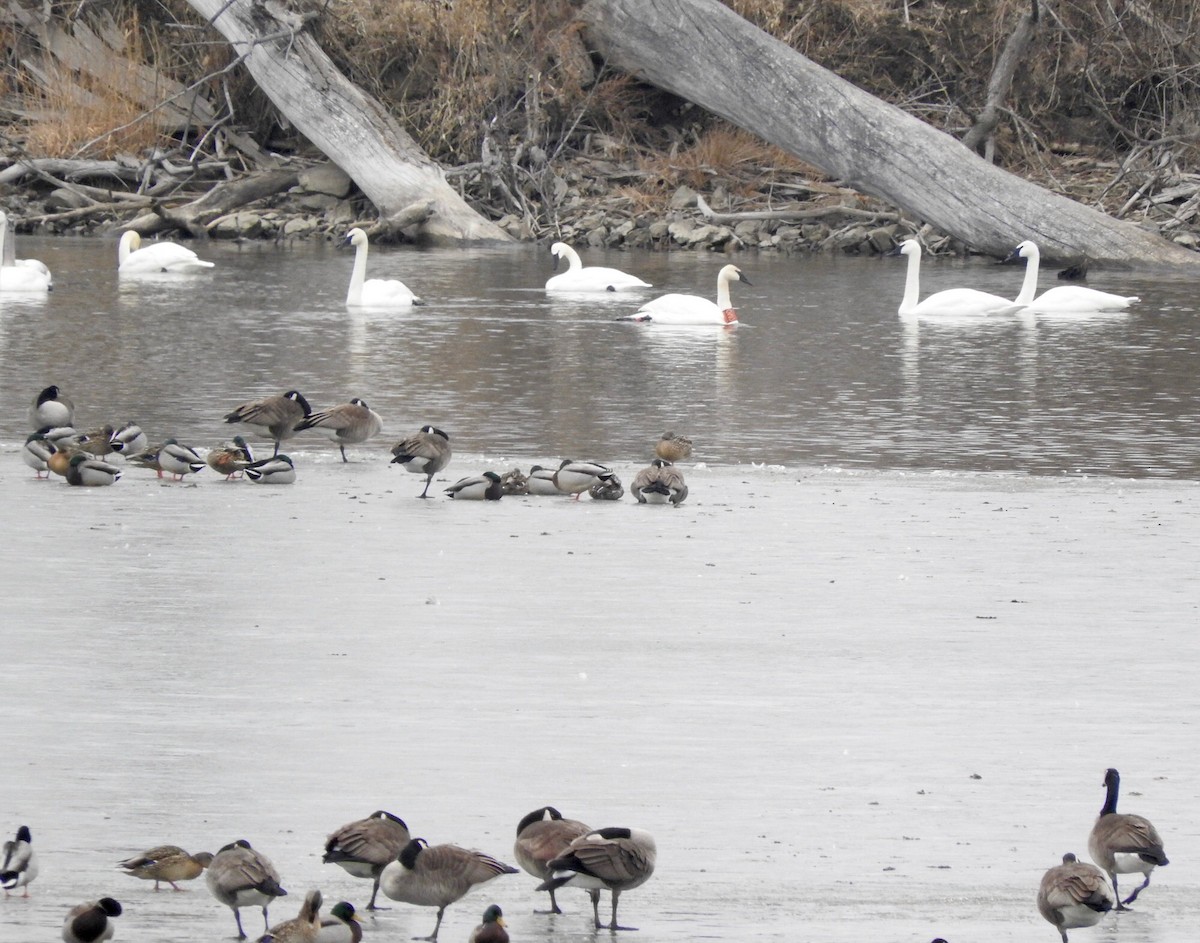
column 707, row 54
column 351, row 128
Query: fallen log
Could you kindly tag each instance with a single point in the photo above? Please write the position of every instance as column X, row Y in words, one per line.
column 350, row 127
column 194, row 216
column 704, row 52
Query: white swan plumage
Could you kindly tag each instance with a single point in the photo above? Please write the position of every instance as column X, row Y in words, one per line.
column 579, row 277
column 952, row 301
column 20, row 274
column 373, row 292
column 135, row 259
column 1065, row 299
column 692, row 309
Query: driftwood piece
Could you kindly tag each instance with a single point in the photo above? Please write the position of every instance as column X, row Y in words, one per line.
column 195, row 216
column 704, row 52
column 69, row 170
column 791, row 216
column 350, row 127
column 980, row 138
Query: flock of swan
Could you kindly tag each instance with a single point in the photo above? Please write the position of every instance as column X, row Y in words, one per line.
column 557, row 851
column 134, row 259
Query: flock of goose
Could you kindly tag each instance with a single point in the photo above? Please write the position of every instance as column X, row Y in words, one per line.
column 135, row 259
column 57, row 447
column 559, row 852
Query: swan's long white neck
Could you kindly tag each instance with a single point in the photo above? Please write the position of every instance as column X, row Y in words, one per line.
column 912, row 282
column 359, row 275
column 723, row 300
column 1029, row 285
column 4, row 239
column 574, row 263
column 129, row 242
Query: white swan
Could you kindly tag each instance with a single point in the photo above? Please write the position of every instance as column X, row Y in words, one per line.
column 155, row 258
column 1065, row 299
column 692, row 309
column 373, row 292
column 20, row 274
column 579, row 277
column 952, row 301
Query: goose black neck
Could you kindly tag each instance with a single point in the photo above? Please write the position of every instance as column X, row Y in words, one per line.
column 1112, row 781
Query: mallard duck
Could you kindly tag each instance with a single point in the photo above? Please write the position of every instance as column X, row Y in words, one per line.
column 540, row 481
column 672, row 447
column 341, row 926
column 277, row 470
column 156, row 258
column 491, row 930
column 514, row 482
column 128, row 439
column 485, row 487
column 278, row 415
column 230, row 460
column 97, row 442
column 659, row 482
column 147, row 458
column 613, row 859
column 577, row 477
column 36, row 453
column 365, row 847
column 437, row 876
column 60, row 461
column 19, row 866
column 1074, row 894
column 542, row 836
column 91, row 921
column 90, row 472
column 51, row 408
column 607, row 489
column 303, row 928
column 238, row 876
column 1124, row 844
column 179, row 460
column 580, row 277
column 168, row 863
column 346, row 424
column 425, row 453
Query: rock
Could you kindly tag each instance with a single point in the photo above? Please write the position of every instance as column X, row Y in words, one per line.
column 300, row 226
column 237, row 226
column 683, row 198
column 60, row 198
column 329, row 179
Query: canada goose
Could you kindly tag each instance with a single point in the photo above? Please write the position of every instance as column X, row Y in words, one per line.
column 373, row 292
column 579, row 277
column 1124, row 844
column 425, row 452
column 341, row 926
column 437, row 876
column 616, row 859
column 168, row 863
column 1074, row 894
column 542, row 836
column 576, row 477
column 1065, row 299
column 346, row 424
column 277, row 470
column 303, row 928
column 51, row 408
column 19, row 866
column 491, row 930
column 658, row 483
column 129, row 438
column 91, row 921
column 672, row 447
column 279, row 414
column 365, row 847
column 230, row 459
column 83, row 470
column 692, row 309
column 179, row 460
column 36, row 453
column 135, row 259
column 952, row 301
column 238, row 876
column 485, row 487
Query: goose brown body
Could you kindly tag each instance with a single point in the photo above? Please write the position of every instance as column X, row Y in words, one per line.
column 1074, row 894
column 542, row 836
column 1124, row 843
column 614, row 859
column 239, row 876
column 347, row 424
column 364, row 847
column 278, row 415
column 425, row 452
